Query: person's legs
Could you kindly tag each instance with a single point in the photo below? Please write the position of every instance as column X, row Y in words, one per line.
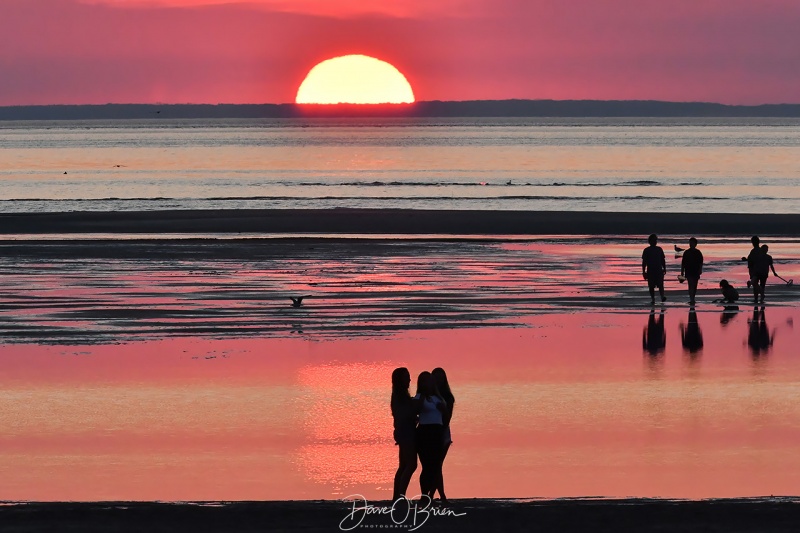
column 428, row 455
column 754, row 283
column 407, row 464
column 661, row 289
column 441, row 478
column 692, row 287
column 651, row 286
column 437, row 459
column 762, row 280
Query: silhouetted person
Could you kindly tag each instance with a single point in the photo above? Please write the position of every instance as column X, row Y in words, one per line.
column 430, row 433
column 443, row 386
column 404, row 413
column 654, row 267
column 692, row 267
column 758, row 336
column 691, row 335
column 764, row 264
column 654, row 336
column 729, row 293
column 759, row 263
column 751, row 259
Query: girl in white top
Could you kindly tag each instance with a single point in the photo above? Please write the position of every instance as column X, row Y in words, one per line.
column 430, row 433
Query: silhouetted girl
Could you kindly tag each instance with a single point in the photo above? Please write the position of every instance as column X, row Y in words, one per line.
column 404, row 412
column 442, row 385
column 430, row 433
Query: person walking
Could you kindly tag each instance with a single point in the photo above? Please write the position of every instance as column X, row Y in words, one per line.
column 692, row 268
column 654, row 268
column 752, row 258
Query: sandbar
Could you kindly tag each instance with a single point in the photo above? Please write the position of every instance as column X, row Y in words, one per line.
column 400, row 221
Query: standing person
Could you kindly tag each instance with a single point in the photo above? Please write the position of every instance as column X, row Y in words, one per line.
column 443, row 386
column 404, row 413
column 763, row 265
column 430, row 433
column 692, row 268
column 654, row 267
column 752, row 259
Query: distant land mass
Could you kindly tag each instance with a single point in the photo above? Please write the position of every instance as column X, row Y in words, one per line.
column 473, row 108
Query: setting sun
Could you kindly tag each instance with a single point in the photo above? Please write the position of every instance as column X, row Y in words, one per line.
column 354, row 79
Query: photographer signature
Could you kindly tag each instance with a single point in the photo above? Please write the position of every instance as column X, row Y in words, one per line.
column 403, row 512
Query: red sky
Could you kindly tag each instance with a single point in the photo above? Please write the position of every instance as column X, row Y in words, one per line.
column 258, row 51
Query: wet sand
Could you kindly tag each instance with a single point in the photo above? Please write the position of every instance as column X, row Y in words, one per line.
column 568, row 516
column 370, row 221
column 108, row 290
column 79, row 293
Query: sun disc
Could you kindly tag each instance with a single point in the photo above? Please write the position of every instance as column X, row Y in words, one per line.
column 354, row 79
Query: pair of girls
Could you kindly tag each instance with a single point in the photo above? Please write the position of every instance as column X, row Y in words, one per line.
column 421, row 428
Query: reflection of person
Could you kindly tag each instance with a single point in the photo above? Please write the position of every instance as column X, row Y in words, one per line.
column 729, row 312
column 654, row 337
column 691, row 336
column 758, row 336
column 654, row 267
column 729, row 293
column 404, row 412
column 692, row 267
column 442, row 385
column 430, row 433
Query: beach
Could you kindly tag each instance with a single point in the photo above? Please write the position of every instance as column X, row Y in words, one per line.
column 157, row 357
column 774, row 515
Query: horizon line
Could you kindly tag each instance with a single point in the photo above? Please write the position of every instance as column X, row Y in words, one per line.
column 406, row 105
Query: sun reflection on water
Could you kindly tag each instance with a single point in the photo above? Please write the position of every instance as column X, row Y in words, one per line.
column 347, row 423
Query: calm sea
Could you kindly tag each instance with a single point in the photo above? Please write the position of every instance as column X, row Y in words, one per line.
column 677, row 165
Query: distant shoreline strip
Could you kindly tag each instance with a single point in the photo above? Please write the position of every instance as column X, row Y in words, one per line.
column 400, row 221
column 426, row 109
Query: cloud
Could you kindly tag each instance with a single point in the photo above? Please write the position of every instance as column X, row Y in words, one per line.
column 204, row 51
column 327, row 8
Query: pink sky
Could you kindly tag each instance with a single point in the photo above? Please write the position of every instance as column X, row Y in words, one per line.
column 258, row 51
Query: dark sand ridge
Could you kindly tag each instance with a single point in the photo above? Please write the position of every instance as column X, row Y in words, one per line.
column 711, row 516
column 372, row 221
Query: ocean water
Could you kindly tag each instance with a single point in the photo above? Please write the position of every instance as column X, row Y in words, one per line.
column 671, row 165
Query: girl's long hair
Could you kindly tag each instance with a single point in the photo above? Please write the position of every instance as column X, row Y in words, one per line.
column 443, row 386
column 424, row 382
column 400, row 379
